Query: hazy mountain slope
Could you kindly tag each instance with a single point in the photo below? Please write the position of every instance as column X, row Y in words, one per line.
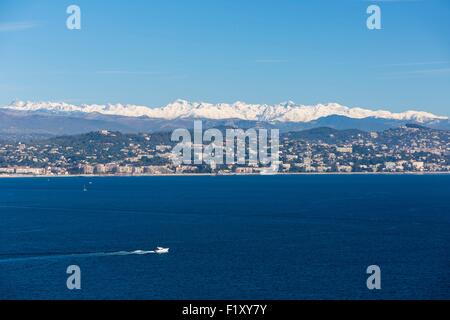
column 283, row 112
column 60, row 119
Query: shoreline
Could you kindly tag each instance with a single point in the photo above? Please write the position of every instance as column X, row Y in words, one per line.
column 13, row 176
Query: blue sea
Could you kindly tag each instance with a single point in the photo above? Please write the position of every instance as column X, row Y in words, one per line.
column 230, row 237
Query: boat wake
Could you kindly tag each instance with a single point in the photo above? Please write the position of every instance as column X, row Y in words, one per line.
column 76, row 255
column 126, row 253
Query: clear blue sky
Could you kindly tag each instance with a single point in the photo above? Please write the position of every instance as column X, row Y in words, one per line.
column 152, row 52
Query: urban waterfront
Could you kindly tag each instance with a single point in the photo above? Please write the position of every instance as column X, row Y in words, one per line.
column 410, row 149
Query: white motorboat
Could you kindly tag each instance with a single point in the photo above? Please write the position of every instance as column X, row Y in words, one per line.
column 161, row 250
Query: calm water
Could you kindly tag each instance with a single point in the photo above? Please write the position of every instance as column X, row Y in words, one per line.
column 267, row 237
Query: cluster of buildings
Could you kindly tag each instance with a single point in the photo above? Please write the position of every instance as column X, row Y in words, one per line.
column 396, row 150
column 406, row 149
column 117, row 169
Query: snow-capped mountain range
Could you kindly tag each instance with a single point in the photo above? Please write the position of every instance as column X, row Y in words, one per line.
column 287, row 112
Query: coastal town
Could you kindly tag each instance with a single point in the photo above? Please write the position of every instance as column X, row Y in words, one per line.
column 407, row 149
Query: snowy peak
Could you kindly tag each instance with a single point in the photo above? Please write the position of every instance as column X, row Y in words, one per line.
column 283, row 112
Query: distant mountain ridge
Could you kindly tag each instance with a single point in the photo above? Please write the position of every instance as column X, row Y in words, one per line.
column 181, row 109
column 25, row 119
